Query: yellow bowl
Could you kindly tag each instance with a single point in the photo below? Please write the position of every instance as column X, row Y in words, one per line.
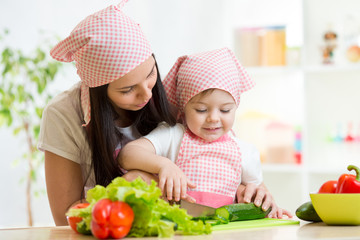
column 337, row 208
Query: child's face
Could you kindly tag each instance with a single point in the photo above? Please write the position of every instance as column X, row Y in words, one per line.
column 210, row 115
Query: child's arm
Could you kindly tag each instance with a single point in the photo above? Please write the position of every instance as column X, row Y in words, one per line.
column 141, row 154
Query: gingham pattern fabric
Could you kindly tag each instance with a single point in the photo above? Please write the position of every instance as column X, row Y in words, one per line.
column 214, row 167
column 192, row 74
column 105, row 46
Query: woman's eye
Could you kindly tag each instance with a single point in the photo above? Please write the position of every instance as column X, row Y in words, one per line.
column 151, row 74
column 127, row 91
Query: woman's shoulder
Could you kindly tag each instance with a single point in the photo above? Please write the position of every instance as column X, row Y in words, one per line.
column 61, row 130
column 67, row 99
column 66, row 104
column 72, row 95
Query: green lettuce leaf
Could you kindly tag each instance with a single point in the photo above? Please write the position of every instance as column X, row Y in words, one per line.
column 153, row 216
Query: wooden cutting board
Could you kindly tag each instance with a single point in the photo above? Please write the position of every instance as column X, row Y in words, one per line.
column 264, row 222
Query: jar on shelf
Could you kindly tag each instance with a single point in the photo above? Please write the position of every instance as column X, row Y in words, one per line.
column 279, row 143
column 352, row 39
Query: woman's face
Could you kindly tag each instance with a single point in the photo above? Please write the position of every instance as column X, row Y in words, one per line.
column 133, row 90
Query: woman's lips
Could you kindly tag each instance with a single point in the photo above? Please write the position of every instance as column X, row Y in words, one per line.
column 143, row 104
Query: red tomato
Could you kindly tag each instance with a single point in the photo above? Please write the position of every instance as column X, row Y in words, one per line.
column 73, row 221
column 328, row 187
column 111, row 219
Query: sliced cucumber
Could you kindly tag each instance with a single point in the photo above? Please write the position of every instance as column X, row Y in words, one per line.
column 240, row 211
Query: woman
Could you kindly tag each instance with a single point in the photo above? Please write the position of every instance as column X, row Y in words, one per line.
column 120, row 97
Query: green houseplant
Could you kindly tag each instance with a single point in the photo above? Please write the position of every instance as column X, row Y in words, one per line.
column 24, row 84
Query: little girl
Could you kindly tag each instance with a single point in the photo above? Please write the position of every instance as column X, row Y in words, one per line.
column 206, row 88
column 210, row 163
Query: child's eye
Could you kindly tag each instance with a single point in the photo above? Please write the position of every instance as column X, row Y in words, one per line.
column 225, row 110
column 200, row 110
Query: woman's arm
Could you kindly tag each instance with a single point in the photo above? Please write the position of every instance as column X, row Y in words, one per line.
column 259, row 194
column 140, row 154
column 252, row 188
column 64, row 185
column 147, row 177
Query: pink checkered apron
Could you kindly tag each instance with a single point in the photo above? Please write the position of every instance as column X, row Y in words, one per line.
column 214, row 167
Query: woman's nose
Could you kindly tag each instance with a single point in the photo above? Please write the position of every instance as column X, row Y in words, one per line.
column 145, row 93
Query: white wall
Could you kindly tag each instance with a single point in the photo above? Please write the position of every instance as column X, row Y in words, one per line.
column 174, row 28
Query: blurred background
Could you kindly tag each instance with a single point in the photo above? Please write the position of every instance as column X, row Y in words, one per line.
column 304, row 55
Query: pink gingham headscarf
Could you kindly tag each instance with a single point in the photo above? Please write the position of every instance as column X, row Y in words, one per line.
column 192, row 74
column 105, row 46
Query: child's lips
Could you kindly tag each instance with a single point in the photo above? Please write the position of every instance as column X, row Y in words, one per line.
column 212, row 129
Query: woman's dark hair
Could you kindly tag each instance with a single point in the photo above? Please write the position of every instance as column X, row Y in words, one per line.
column 104, row 136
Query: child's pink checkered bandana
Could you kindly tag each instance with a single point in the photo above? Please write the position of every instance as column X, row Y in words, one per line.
column 105, row 46
column 192, row 74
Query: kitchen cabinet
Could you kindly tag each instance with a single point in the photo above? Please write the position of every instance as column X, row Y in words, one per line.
column 321, row 98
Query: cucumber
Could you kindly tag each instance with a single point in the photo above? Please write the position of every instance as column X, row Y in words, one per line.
column 170, row 221
column 81, row 227
column 307, row 212
column 240, row 211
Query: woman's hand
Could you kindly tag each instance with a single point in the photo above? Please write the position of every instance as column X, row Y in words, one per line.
column 147, row 177
column 260, row 195
column 174, row 182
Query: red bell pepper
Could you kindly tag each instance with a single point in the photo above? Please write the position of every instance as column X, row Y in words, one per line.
column 111, row 219
column 349, row 183
column 328, row 187
column 73, row 221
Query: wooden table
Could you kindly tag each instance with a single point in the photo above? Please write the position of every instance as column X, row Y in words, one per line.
column 302, row 231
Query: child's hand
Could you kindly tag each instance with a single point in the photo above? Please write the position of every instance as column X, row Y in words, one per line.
column 260, row 196
column 174, row 182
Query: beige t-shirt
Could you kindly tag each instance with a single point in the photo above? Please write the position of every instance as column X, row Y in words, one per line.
column 62, row 132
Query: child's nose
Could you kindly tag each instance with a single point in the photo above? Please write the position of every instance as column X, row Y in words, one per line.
column 213, row 116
